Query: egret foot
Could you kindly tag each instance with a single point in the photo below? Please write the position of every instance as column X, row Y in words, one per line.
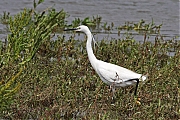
column 137, row 100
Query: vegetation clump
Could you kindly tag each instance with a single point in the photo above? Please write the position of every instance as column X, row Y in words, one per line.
column 45, row 75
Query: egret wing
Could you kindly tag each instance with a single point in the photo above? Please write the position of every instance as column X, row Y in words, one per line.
column 108, row 75
column 111, row 73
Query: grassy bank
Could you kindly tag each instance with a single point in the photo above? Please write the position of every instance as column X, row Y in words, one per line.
column 45, row 76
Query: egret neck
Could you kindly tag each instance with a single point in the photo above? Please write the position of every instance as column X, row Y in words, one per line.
column 91, row 55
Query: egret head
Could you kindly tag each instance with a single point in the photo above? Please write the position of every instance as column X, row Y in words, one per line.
column 81, row 28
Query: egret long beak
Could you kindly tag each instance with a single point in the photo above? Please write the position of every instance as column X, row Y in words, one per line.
column 72, row 29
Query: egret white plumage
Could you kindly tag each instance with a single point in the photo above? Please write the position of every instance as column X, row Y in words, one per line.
column 111, row 74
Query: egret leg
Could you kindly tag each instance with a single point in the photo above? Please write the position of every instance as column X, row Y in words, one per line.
column 135, row 92
column 112, row 87
column 113, row 90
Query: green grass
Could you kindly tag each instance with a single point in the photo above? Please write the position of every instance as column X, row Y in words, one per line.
column 58, row 82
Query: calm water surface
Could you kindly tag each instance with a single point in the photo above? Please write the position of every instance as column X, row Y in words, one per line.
column 116, row 11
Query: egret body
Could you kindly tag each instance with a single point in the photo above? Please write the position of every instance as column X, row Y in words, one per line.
column 111, row 74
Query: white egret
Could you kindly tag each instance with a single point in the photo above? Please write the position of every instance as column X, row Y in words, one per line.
column 111, row 74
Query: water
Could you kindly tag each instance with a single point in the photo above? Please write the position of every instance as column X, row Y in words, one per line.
column 116, row 11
